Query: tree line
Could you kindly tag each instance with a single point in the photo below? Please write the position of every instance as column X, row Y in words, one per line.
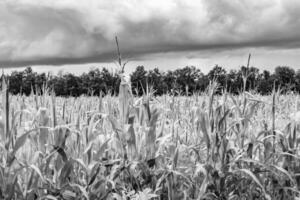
column 183, row 81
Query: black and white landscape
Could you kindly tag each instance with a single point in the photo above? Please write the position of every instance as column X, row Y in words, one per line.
column 149, row 99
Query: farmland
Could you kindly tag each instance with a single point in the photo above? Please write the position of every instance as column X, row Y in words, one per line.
column 150, row 100
column 205, row 146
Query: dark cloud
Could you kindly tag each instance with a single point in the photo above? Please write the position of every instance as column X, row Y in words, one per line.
column 67, row 32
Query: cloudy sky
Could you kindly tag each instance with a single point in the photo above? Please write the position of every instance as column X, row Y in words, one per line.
column 76, row 35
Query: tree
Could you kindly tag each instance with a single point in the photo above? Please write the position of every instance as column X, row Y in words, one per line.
column 234, row 81
column 28, row 82
column 110, row 82
column 72, row 84
column 16, row 82
column 297, row 80
column 139, row 80
column 187, row 78
column 58, row 85
column 218, row 74
column 169, row 82
column 285, row 77
column 40, row 80
column 265, row 83
column 155, row 79
column 252, row 74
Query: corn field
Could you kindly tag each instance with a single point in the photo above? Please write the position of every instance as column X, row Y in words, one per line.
column 203, row 147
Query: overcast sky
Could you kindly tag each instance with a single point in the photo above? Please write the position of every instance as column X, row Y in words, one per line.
column 51, row 35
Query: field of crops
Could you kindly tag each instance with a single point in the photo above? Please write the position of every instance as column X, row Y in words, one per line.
column 205, row 146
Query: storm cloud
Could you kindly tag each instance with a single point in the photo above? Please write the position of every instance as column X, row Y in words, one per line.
column 56, row 32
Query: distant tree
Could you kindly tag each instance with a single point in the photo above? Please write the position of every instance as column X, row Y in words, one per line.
column 265, row 83
column 266, row 74
column 187, row 78
column 155, row 79
column 85, row 84
column 234, row 81
column 285, row 77
column 297, row 80
column 218, row 74
column 28, row 82
column 58, row 85
column 110, row 82
column 95, row 81
column 169, row 82
column 72, row 84
column 139, row 80
column 16, row 82
column 40, row 80
column 201, row 82
column 252, row 74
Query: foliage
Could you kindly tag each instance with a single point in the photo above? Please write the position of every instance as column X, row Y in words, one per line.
column 185, row 81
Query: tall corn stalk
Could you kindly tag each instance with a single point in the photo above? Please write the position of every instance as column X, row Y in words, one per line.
column 5, row 112
column 125, row 103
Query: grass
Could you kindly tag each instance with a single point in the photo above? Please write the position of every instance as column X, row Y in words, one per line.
column 205, row 146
